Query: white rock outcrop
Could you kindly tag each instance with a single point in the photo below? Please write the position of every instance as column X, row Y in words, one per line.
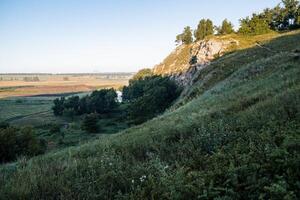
column 177, row 64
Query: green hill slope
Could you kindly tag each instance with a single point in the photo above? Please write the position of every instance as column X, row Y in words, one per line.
column 234, row 134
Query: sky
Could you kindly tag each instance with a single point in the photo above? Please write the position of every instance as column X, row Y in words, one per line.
column 85, row 36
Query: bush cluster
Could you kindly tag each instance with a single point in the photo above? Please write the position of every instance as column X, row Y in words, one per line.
column 149, row 96
column 100, row 101
column 16, row 142
column 89, row 123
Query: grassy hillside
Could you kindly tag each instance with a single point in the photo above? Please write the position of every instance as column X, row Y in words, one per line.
column 234, row 134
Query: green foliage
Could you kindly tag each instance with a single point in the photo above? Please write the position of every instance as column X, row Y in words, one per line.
column 103, row 101
column 58, row 107
column 226, row 28
column 89, row 123
column 209, row 27
column 142, row 74
column 291, row 8
column 100, row 101
column 282, row 16
column 19, row 142
column 186, row 37
column 149, row 96
column 277, row 18
column 205, row 28
column 254, row 26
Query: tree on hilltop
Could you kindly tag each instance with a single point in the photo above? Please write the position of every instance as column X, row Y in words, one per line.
column 254, row 26
column 204, row 28
column 225, row 28
column 186, row 37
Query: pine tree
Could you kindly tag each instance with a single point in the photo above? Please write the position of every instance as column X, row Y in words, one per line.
column 254, row 26
column 200, row 32
column 226, row 28
column 209, row 27
column 205, row 28
column 291, row 7
column 186, row 37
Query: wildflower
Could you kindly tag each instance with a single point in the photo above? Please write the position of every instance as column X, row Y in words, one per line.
column 143, row 178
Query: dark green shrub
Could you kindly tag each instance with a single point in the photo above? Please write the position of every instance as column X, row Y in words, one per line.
column 19, row 142
column 149, row 96
column 58, row 107
column 19, row 101
column 89, row 123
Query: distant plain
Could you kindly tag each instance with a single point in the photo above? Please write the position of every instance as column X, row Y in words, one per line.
column 13, row 85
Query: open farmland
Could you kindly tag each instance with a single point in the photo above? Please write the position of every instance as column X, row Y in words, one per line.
column 12, row 85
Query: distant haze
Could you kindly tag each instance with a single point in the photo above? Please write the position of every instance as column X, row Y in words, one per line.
column 64, row 36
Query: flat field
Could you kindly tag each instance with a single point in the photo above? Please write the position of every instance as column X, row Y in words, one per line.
column 12, row 85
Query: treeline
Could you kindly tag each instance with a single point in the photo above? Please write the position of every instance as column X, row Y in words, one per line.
column 31, row 79
column 18, row 142
column 276, row 19
column 100, row 101
column 145, row 97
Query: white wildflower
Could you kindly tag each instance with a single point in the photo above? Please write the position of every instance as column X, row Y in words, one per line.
column 143, row 178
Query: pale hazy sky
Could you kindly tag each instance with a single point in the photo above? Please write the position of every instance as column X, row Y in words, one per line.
column 60, row 36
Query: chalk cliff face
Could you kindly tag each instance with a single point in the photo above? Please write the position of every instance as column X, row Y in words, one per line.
column 178, row 64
